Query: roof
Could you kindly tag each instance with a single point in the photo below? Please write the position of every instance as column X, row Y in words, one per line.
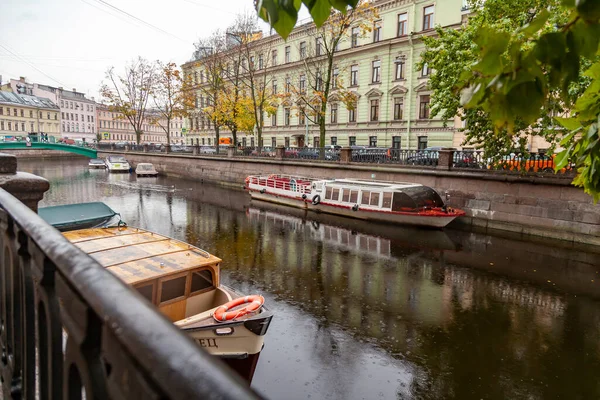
column 26, row 100
column 136, row 255
column 373, row 184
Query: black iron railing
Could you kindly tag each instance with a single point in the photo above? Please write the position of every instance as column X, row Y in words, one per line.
column 91, row 333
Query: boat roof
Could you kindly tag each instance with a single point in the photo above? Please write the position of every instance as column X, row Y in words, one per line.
column 372, row 184
column 136, row 255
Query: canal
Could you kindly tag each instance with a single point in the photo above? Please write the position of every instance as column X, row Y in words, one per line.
column 365, row 311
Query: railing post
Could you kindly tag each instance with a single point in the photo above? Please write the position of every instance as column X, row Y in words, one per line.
column 145, row 148
column 167, row 148
column 279, row 153
column 345, row 155
column 230, row 151
column 112, row 146
column 127, row 147
column 28, row 188
column 195, row 150
column 445, row 158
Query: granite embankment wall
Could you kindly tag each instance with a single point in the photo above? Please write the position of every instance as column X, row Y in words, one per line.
column 39, row 153
column 546, row 206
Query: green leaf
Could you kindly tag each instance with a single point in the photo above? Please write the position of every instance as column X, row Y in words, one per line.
column 340, row 5
column 588, row 9
column 492, row 45
column 526, row 100
column 569, row 123
column 319, row 10
column 585, row 37
column 536, row 24
column 550, row 47
column 561, row 160
column 471, row 96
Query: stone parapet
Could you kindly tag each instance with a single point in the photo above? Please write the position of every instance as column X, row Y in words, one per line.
column 28, row 188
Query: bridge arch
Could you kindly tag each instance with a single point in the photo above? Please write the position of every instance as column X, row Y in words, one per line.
column 83, row 151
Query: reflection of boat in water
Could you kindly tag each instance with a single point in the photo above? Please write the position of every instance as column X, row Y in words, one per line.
column 379, row 239
column 390, row 202
column 183, row 282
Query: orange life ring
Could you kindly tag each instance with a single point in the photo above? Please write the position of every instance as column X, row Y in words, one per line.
column 223, row 314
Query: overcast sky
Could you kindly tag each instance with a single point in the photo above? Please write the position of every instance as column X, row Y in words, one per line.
column 73, row 42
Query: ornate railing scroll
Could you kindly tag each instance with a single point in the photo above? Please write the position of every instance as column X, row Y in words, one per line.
column 68, row 327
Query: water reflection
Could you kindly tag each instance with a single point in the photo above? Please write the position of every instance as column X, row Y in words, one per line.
column 374, row 311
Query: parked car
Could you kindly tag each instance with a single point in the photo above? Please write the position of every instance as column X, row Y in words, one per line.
column 208, row 150
column 369, row 154
column 178, row 148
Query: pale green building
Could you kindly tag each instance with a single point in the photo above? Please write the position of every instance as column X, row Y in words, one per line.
column 392, row 97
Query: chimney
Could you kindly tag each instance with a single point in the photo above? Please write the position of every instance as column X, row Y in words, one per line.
column 74, row 90
column 22, row 78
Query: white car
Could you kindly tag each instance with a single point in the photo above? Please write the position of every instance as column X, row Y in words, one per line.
column 117, row 164
column 145, row 169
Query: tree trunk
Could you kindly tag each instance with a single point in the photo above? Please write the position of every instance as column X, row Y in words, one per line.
column 234, row 135
column 138, row 136
column 168, row 131
column 322, row 137
column 217, row 136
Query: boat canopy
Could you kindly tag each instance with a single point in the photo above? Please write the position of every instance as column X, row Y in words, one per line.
column 71, row 216
column 416, row 198
column 116, row 159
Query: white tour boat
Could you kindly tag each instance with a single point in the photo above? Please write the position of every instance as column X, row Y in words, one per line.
column 145, row 169
column 117, row 164
column 403, row 203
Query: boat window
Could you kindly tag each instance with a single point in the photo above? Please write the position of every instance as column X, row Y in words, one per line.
column 147, row 291
column 374, row 199
column 345, row 195
column 353, row 196
column 173, row 289
column 365, row 198
column 328, row 192
column 403, row 202
column 336, row 194
column 387, row 200
column 201, row 280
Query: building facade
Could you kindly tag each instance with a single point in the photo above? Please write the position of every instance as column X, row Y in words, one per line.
column 77, row 113
column 21, row 115
column 113, row 127
column 392, row 96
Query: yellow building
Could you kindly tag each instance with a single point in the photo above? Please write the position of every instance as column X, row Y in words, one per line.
column 21, row 115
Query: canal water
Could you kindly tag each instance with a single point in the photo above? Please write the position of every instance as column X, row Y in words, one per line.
column 369, row 311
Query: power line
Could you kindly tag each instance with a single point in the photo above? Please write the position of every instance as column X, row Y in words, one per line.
column 209, row 7
column 19, row 58
column 141, row 20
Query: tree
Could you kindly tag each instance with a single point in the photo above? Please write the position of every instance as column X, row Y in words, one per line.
column 171, row 96
column 255, row 77
column 518, row 74
column 128, row 94
column 210, row 58
column 318, row 78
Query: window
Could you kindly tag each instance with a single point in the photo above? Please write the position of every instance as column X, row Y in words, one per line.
column 377, row 31
column 287, row 84
column 261, row 61
column 402, row 24
column 375, row 110
column 251, row 62
column 252, row 141
column 422, row 142
column 334, row 113
column 195, row 77
column 428, row 17
column 172, row 289
column 387, row 200
column 15, row 112
column 2, row 125
column 318, row 46
column 62, row 103
column 23, row 114
column 334, row 81
column 365, row 198
column 319, row 82
column 31, row 126
column 147, row 291
column 374, row 199
column 2, row 111
column 63, row 115
column 424, row 107
column 354, row 75
column 372, row 141
column 302, row 83
column 352, row 140
column 376, row 76
column 316, row 141
column 334, row 140
column 352, row 115
column 286, row 116
column 273, row 142
column 287, row 54
column 398, row 103
column 302, row 50
column 274, row 84
column 301, row 117
column 274, row 57
column 425, row 70
column 399, row 70
column 396, row 142
column 354, row 37
column 286, row 141
column 274, row 119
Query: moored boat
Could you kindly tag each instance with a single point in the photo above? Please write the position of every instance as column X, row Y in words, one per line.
column 95, row 163
column 183, row 282
column 145, row 169
column 117, row 164
column 80, row 216
column 392, row 202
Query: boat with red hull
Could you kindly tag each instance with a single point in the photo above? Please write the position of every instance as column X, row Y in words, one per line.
column 392, row 202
